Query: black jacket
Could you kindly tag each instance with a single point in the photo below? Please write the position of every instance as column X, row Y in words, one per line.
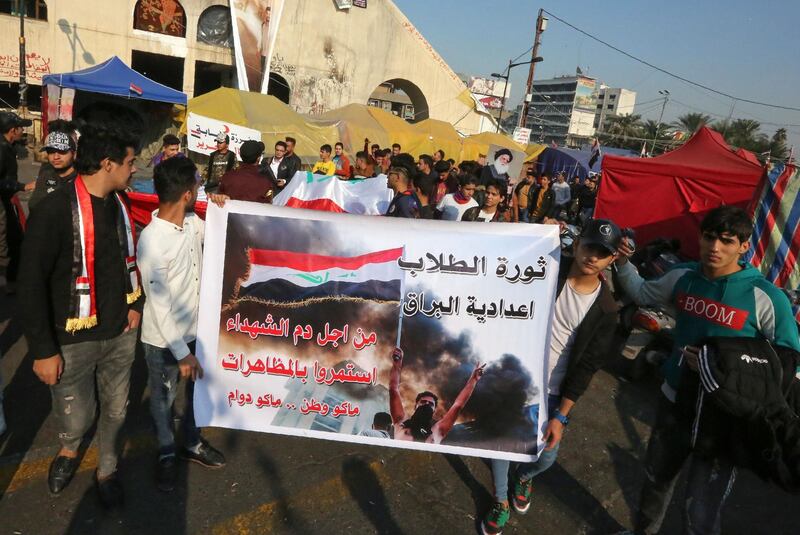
column 47, row 182
column 285, row 170
column 46, row 272
column 741, row 411
column 9, row 183
column 473, row 214
column 548, row 204
column 591, row 348
column 293, row 165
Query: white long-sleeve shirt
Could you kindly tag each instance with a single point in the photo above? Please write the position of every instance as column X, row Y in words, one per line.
column 170, row 259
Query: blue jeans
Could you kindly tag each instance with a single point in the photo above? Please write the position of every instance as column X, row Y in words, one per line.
column 524, row 216
column 526, row 471
column 163, row 381
column 586, row 215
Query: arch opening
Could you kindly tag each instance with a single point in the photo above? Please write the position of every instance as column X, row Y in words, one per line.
column 402, row 98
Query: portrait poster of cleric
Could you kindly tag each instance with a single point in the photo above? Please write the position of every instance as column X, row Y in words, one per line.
column 404, row 333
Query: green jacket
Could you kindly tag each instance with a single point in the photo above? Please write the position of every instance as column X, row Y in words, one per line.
column 743, row 304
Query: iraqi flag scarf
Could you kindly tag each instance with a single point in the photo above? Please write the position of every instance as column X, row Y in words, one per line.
column 83, row 304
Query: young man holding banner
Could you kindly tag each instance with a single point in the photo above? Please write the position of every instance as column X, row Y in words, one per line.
column 170, row 258
column 584, row 320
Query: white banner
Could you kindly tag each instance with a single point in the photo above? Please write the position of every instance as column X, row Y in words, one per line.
column 370, row 196
column 301, row 310
column 202, row 133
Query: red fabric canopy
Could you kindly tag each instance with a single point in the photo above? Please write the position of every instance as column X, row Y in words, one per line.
column 667, row 196
column 143, row 204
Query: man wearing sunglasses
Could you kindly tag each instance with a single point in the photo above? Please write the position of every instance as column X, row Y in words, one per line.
column 584, row 321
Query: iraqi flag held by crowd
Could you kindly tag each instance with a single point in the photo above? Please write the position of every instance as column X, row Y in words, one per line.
column 369, row 196
column 775, row 245
column 294, row 279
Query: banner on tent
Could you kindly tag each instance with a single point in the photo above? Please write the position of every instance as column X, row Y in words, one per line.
column 204, row 130
column 317, row 192
column 301, row 311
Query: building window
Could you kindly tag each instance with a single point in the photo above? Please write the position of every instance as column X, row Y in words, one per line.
column 612, row 97
column 610, row 107
column 34, row 9
column 214, row 27
column 160, row 16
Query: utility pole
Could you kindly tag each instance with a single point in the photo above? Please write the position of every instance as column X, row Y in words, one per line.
column 660, row 117
column 23, row 85
column 505, row 89
column 541, row 25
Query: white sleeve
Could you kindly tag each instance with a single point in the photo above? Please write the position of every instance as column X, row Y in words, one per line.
column 441, row 206
column 154, row 268
column 652, row 292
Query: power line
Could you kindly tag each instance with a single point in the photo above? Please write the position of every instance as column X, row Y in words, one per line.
column 668, row 73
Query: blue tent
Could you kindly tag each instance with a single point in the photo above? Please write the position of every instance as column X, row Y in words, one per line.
column 113, row 77
column 574, row 161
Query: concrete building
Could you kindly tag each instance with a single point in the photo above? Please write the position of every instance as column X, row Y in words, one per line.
column 613, row 101
column 562, row 110
column 391, row 99
column 315, row 67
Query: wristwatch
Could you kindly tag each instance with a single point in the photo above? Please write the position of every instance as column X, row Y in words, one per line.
column 561, row 418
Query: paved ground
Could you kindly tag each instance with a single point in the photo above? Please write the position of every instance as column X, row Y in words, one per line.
column 275, row 484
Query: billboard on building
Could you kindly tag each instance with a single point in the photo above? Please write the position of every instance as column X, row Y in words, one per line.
column 255, row 25
column 586, row 94
column 489, row 92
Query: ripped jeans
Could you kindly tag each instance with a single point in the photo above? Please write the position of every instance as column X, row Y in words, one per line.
column 106, row 364
column 164, row 382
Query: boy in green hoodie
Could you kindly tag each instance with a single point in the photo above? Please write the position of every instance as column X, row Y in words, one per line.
column 719, row 296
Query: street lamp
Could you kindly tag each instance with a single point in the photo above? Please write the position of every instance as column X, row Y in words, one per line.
column 505, row 77
column 665, row 94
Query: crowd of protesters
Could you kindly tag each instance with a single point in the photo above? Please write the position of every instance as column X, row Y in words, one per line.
column 85, row 305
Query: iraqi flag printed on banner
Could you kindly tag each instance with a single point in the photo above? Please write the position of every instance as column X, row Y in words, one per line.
column 370, row 196
column 292, row 279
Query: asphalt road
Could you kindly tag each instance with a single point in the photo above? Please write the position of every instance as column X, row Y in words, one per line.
column 277, row 484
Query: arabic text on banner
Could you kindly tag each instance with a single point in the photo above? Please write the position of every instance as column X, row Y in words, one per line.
column 202, row 132
column 300, row 312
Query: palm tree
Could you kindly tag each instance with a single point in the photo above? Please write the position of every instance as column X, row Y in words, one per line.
column 777, row 145
column 744, row 134
column 617, row 130
column 691, row 122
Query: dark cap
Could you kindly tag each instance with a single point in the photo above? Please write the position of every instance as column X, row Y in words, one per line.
column 502, row 152
column 602, row 232
column 9, row 120
column 251, row 150
column 58, row 141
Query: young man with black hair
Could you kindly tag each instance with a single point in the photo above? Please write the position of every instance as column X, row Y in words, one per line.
column 587, row 198
column 381, row 426
column 220, row 162
column 396, row 149
column 447, row 183
column 246, row 183
column 293, row 162
column 324, row 166
column 344, row 170
column 453, row 205
column 405, row 202
column 60, row 168
column 170, row 257
column 561, row 195
column 170, row 148
column 584, row 321
column 719, row 296
column 363, row 169
column 426, row 210
column 278, row 167
column 545, row 201
column 82, row 308
column 524, row 197
column 490, row 211
column 438, row 156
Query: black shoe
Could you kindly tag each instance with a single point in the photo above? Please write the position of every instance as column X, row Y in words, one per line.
column 110, row 491
column 166, row 473
column 61, row 471
column 206, row 455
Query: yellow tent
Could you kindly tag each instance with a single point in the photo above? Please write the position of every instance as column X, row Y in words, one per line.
column 274, row 119
column 354, row 123
column 533, row 151
column 440, row 135
column 399, row 131
column 479, row 144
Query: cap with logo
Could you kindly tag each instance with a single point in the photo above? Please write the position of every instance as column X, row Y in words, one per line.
column 9, row 120
column 223, row 138
column 58, row 141
column 602, row 232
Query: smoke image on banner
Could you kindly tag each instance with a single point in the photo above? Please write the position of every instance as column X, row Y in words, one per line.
column 299, row 319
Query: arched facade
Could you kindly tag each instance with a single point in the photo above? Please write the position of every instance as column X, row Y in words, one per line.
column 160, row 16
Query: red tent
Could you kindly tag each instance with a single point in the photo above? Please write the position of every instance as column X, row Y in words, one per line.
column 667, row 196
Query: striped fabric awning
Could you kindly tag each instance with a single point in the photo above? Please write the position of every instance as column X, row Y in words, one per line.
column 775, row 245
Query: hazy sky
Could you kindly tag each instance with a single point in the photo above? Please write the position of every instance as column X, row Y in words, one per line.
column 743, row 48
